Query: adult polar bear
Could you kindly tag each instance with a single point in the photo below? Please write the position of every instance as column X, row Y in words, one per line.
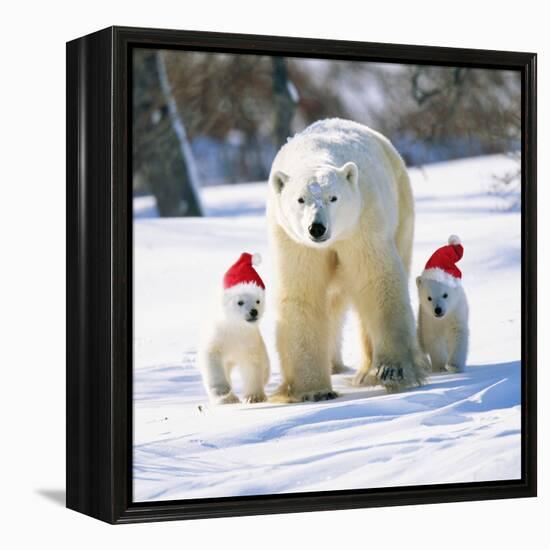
column 341, row 218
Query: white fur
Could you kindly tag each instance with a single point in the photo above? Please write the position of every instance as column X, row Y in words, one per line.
column 362, row 260
column 256, row 258
column 445, row 337
column 233, row 339
column 454, row 239
column 439, row 275
column 244, row 288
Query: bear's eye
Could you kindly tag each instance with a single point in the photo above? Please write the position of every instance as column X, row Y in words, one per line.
column 257, row 301
column 429, row 298
column 241, row 303
column 445, row 295
column 333, row 199
column 301, row 200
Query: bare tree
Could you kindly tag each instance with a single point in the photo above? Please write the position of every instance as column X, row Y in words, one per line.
column 285, row 100
column 453, row 111
column 239, row 109
column 161, row 153
column 192, row 187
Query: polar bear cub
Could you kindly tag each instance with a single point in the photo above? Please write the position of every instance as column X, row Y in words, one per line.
column 233, row 339
column 443, row 309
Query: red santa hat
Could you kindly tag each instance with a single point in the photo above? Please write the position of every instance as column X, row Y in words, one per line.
column 242, row 277
column 441, row 265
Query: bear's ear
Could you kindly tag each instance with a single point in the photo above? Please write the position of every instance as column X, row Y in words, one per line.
column 279, row 180
column 350, row 172
column 419, row 281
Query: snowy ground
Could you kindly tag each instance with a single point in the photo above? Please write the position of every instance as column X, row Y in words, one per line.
column 456, row 428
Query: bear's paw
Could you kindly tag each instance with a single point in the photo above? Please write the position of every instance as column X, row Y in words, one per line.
column 254, row 398
column 228, row 399
column 320, row 395
column 399, row 375
column 453, row 368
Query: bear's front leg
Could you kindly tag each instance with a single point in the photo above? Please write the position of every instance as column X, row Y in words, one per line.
column 399, row 365
column 303, row 345
column 255, row 374
column 386, row 314
column 458, row 350
column 303, row 340
column 438, row 356
column 215, row 379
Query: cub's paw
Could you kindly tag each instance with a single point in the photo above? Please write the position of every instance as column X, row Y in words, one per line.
column 254, row 398
column 453, row 368
column 438, row 367
column 320, row 395
column 227, row 399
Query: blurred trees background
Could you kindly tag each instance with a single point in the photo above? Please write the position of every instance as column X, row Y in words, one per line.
column 207, row 119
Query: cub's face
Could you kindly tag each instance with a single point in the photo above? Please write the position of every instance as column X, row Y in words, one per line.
column 320, row 206
column 243, row 307
column 436, row 298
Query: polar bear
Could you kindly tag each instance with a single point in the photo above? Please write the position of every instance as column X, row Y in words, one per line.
column 232, row 338
column 443, row 310
column 341, row 220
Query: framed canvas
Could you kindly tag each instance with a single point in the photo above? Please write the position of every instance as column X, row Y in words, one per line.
column 383, row 352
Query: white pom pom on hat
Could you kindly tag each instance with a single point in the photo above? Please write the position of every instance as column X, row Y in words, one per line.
column 256, row 258
column 454, row 239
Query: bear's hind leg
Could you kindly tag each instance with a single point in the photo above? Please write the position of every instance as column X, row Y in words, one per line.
column 364, row 376
column 458, row 350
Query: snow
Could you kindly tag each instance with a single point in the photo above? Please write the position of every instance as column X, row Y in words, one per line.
column 457, row 428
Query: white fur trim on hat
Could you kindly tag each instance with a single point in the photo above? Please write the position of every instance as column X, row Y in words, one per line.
column 454, row 239
column 440, row 276
column 244, row 288
column 256, row 258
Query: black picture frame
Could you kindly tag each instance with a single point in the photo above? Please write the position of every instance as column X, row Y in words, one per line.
column 99, row 275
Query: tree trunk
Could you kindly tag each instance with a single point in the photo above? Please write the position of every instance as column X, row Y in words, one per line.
column 285, row 97
column 162, row 153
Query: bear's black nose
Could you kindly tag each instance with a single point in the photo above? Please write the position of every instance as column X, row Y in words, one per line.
column 317, row 230
column 437, row 311
column 254, row 312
